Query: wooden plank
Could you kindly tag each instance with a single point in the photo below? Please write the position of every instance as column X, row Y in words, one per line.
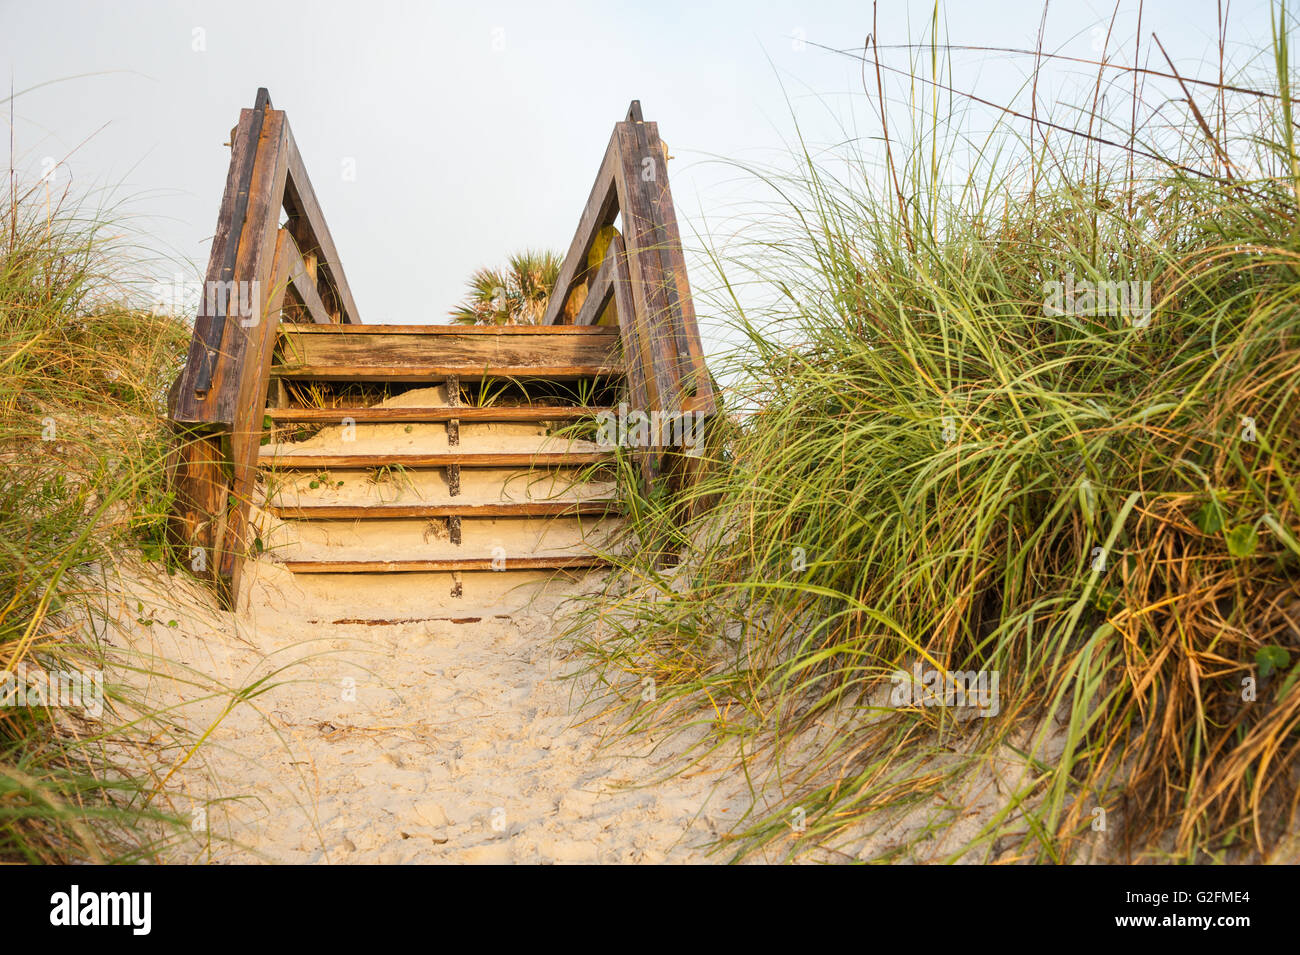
column 300, row 201
column 540, row 331
column 349, row 512
column 436, row 415
column 303, row 283
column 601, row 209
column 599, row 292
column 453, row 470
column 246, row 432
column 697, row 383
column 437, row 373
column 198, row 477
column 628, row 325
column 442, row 566
column 482, row 459
column 653, row 168
column 257, row 246
column 646, row 276
column 214, row 333
column 470, row 351
column 184, row 405
column 633, row 345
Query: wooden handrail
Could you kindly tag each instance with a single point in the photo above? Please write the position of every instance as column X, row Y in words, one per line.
column 260, row 268
column 661, row 339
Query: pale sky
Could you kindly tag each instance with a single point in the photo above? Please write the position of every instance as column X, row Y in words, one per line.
column 475, row 130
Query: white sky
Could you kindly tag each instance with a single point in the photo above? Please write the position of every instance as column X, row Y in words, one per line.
column 476, row 130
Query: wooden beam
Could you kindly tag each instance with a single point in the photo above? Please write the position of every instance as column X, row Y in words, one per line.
column 599, row 291
column 185, row 401
column 600, row 211
column 246, row 431
column 484, row 331
column 649, row 300
column 200, row 482
column 697, row 384
column 442, row 566
column 450, row 350
column 635, row 347
column 250, row 281
column 482, row 459
column 452, row 387
column 257, row 249
column 244, row 153
column 300, row 201
column 437, row 373
column 304, row 286
column 351, row 512
column 436, row 415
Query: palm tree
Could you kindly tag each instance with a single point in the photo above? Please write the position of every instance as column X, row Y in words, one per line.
column 516, row 295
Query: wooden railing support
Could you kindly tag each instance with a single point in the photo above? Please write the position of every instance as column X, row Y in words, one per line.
column 644, row 273
column 255, row 271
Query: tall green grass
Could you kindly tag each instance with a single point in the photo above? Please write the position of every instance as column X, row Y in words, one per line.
column 1103, row 508
column 82, row 446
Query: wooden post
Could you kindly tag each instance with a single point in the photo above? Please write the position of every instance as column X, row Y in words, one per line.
column 453, row 477
column 218, row 400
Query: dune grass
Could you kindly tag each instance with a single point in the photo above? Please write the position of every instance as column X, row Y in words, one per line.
column 82, row 447
column 952, row 463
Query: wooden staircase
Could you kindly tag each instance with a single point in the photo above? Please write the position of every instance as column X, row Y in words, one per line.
column 443, row 449
column 310, row 440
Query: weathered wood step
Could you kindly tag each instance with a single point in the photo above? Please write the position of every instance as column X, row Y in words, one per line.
column 429, row 352
column 488, row 331
column 425, row 373
column 433, row 540
column 319, row 512
column 443, row 566
column 485, row 459
column 398, row 415
column 343, row 487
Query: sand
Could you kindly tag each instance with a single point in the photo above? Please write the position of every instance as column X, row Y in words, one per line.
column 450, row 736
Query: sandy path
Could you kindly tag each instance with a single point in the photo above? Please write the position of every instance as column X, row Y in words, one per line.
column 452, row 738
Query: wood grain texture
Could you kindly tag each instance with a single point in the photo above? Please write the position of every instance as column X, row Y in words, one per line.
column 453, row 470
column 436, row 415
column 184, row 405
column 302, row 281
column 634, row 343
column 301, row 203
column 601, row 209
column 600, row 290
column 449, row 350
column 349, row 512
column 200, row 482
column 697, row 383
column 437, row 373
column 490, row 331
column 441, row 566
column 246, row 431
column 486, row 459
column 646, row 276
column 251, row 278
